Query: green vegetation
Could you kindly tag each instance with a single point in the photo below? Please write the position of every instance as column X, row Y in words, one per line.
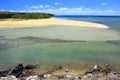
column 18, row 15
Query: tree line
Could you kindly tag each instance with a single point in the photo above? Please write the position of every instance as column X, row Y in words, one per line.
column 19, row 15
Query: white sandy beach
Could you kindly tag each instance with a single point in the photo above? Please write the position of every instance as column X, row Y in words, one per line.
column 11, row 23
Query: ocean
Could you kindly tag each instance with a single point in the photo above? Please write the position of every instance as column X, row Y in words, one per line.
column 63, row 44
column 111, row 21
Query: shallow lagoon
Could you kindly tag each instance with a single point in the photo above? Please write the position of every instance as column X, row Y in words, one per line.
column 81, row 52
column 62, row 33
column 59, row 45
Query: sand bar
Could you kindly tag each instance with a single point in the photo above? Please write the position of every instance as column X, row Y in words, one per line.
column 46, row 22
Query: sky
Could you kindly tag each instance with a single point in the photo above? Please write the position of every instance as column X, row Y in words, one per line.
column 63, row 7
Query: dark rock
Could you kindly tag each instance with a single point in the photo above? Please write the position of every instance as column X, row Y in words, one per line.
column 30, row 66
column 17, row 71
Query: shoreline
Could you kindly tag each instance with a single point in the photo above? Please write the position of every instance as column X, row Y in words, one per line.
column 17, row 23
column 77, row 68
column 33, row 71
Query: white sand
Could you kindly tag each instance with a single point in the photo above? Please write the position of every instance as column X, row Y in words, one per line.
column 46, row 22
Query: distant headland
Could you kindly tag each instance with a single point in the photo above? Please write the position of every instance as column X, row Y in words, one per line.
column 24, row 15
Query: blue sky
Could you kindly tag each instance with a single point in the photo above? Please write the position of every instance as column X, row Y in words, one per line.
column 64, row 7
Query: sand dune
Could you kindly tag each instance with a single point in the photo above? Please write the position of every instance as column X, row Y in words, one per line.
column 45, row 22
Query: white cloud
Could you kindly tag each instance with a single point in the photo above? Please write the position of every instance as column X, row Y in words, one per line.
column 34, row 7
column 71, row 11
column 47, row 6
column 2, row 10
column 40, row 6
column 63, row 8
column 81, row 11
column 104, row 4
column 56, row 3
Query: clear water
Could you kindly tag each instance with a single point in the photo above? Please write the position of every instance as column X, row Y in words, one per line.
column 60, row 44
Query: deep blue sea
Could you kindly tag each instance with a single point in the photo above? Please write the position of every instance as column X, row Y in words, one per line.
column 111, row 21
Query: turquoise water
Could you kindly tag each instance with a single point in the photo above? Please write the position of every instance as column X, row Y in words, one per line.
column 79, row 53
column 59, row 45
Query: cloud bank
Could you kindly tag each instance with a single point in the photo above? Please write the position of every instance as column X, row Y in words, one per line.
column 70, row 11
